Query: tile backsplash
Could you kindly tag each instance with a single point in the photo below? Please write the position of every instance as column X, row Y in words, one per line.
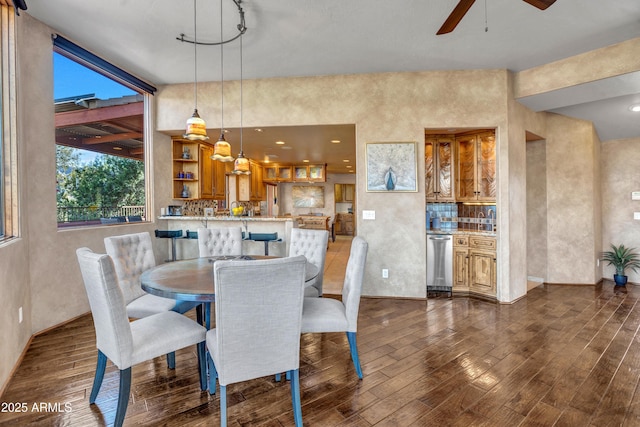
column 458, row 216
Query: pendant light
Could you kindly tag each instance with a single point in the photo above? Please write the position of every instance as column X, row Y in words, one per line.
column 222, row 149
column 241, row 165
column 196, row 127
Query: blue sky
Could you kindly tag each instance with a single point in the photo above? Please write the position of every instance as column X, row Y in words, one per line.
column 72, row 79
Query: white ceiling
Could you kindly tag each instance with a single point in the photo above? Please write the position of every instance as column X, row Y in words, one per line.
column 311, row 37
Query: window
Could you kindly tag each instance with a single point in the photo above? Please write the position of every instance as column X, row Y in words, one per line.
column 8, row 138
column 101, row 117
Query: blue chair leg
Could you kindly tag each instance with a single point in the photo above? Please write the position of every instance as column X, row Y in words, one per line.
column 351, row 336
column 278, row 378
column 207, row 315
column 213, row 374
column 295, row 396
column 97, row 379
column 223, row 406
column 288, row 375
column 123, row 396
column 171, row 360
column 202, row 364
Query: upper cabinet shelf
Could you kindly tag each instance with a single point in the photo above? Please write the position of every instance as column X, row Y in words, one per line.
column 295, row 173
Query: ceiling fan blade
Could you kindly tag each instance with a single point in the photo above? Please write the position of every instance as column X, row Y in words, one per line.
column 454, row 18
column 541, row 4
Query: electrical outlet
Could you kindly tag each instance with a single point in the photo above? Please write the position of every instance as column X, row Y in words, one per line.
column 20, row 315
column 385, row 273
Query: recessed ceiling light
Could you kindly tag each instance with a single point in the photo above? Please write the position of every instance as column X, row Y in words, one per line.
column 117, row 148
column 349, row 166
column 258, row 130
column 635, row 108
column 280, row 142
column 335, row 141
column 346, row 160
column 286, row 147
column 305, row 161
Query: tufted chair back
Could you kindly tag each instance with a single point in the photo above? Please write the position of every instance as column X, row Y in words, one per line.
column 220, row 241
column 132, row 254
column 113, row 333
column 313, row 245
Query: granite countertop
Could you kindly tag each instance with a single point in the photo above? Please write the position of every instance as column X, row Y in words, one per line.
column 227, row 218
column 465, row 232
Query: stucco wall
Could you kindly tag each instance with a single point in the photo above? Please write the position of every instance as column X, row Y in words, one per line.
column 537, row 210
column 572, row 210
column 620, row 176
column 383, row 107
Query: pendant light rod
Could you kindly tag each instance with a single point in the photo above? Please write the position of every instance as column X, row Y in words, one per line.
column 242, row 28
column 195, row 53
column 221, row 79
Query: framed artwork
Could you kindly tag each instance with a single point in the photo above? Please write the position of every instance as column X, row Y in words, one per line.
column 305, row 196
column 392, row 167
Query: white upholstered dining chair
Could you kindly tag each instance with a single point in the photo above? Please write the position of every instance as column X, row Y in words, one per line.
column 132, row 254
column 219, row 241
column 312, row 244
column 129, row 343
column 253, row 338
column 331, row 315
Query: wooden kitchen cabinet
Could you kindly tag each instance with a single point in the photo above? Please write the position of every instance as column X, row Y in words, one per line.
column 476, row 167
column 194, row 169
column 277, row 173
column 344, row 192
column 309, row 173
column 439, row 166
column 250, row 188
column 482, row 265
column 461, row 263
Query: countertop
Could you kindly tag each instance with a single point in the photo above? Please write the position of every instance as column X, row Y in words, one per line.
column 465, row 232
column 227, row 218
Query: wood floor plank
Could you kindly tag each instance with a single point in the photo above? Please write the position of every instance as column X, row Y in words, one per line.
column 563, row 356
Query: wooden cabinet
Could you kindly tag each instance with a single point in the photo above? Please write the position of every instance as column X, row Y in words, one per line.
column 476, row 167
column 220, row 170
column 474, row 265
column 344, row 193
column 439, row 163
column 295, row 173
column 461, row 263
column 343, row 224
column 277, row 173
column 194, row 171
column 250, row 188
column 482, row 265
column 309, row 173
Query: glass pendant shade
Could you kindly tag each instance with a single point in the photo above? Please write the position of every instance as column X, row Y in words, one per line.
column 241, row 165
column 196, row 128
column 222, row 150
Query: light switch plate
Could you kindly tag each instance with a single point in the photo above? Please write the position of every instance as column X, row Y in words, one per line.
column 636, row 215
column 368, row 214
column 635, row 195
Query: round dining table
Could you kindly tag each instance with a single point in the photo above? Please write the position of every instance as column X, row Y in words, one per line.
column 192, row 280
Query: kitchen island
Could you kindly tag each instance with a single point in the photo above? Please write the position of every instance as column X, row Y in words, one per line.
column 188, row 248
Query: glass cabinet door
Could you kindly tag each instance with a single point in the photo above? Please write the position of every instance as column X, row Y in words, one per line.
column 486, row 187
column 438, row 165
column 466, row 170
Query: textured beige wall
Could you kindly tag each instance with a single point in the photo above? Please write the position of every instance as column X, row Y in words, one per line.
column 621, row 176
column 537, row 210
column 610, row 61
column 384, row 107
column 572, row 209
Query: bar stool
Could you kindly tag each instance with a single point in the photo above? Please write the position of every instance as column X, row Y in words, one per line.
column 173, row 235
column 266, row 238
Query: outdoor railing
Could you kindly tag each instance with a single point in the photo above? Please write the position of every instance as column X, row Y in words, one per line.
column 93, row 214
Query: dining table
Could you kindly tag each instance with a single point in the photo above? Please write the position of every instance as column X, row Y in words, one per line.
column 192, row 280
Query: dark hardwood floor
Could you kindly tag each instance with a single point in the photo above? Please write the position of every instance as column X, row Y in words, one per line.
column 564, row 356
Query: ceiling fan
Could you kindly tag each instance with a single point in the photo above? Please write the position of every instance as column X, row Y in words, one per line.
column 463, row 6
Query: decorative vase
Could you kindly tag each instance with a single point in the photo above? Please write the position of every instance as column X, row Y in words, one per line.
column 620, row 279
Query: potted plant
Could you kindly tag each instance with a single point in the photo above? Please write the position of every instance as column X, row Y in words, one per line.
column 621, row 258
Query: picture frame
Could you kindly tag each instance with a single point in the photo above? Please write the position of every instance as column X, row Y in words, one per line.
column 305, row 196
column 391, row 167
